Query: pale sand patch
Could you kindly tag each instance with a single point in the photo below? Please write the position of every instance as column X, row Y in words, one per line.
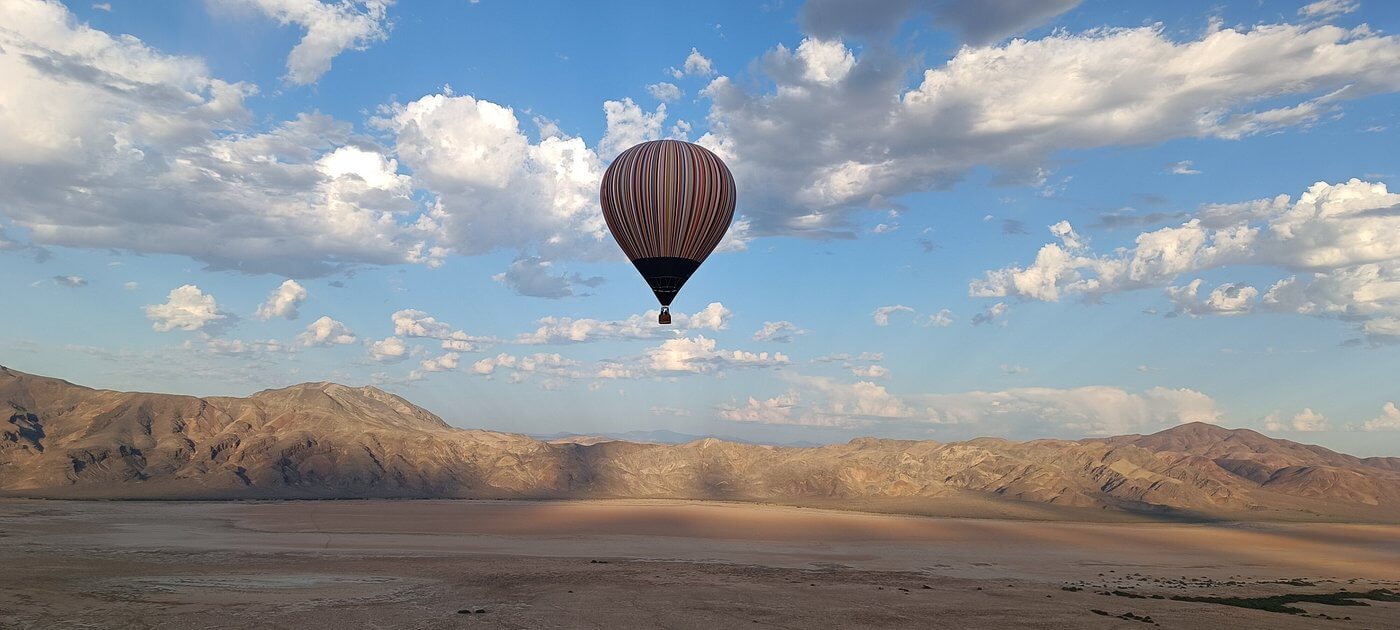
column 603, row 564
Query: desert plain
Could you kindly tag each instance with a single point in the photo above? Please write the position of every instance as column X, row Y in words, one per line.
column 678, row 564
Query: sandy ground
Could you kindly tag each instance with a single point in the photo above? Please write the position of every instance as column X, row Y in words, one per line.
column 606, row 564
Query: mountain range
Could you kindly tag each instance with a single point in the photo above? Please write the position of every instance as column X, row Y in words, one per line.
column 325, row 440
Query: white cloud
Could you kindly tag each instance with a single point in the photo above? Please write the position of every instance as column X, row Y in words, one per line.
column 778, row 332
column 1031, row 411
column 495, row 188
column 941, row 319
column 629, row 125
column 695, row 65
column 534, row 277
column 564, row 330
column 326, row 332
column 882, row 315
column 1229, row 298
column 445, row 363
column 1339, row 232
column 131, row 286
column 776, row 410
column 713, row 317
column 1389, row 420
column 71, row 282
column 331, row 28
column 1328, row 8
column 665, row 92
column 138, row 138
column 1184, row 167
column 552, row 365
column 388, row 350
column 413, row 323
column 1095, row 410
column 416, row 323
column 1306, row 420
column 700, row 355
column 102, row 6
column 827, row 138
column 186, row 308
column 283, row 301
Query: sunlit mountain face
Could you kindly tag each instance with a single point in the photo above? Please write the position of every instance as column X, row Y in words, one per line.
column 1061, row 219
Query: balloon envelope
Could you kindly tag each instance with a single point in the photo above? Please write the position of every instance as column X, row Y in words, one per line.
column 668, row 204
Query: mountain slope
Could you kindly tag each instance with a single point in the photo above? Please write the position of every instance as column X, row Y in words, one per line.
column 329, row 440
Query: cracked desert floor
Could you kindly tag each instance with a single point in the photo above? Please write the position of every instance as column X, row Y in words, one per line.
column 607, row 564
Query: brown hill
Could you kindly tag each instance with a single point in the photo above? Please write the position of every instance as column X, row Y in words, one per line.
column 324, row 440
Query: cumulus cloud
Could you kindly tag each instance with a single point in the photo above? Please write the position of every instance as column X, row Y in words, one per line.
column 1389, row 420
column 837, row 129
column 665, row 92
column 566, row 330
column 416, row 323
column 552, row 366
column 494, row 187
column 629, row 125
column 283, row 301
column 695, row 65
column 700, row 355
column 388, row 350
column 1306, row 420
column 186, row 308
column 979, row 21
column 882, row 315
column 535, row 277
column 1340, row 233
column 331, row 28
column 413, row 323
column 1230, row 298
column 326, row 332
column 446, row 362
column 778, row 332
column 136, row 138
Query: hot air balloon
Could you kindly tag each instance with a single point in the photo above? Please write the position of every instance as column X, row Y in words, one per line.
column 668, row 204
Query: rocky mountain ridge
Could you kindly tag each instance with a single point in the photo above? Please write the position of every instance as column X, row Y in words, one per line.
column 325, row 440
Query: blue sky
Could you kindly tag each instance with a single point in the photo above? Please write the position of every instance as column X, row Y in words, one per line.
column 950, row 223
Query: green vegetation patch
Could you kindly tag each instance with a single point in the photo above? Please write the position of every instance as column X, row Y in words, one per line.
column 1281, row 603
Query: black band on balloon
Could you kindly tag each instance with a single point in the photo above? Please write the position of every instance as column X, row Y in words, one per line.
column 666, row 275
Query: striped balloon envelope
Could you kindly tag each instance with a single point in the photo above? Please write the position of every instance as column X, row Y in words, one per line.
column 668, row 204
